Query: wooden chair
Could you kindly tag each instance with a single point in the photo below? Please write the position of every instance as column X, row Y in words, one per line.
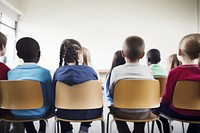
column 87, row 95
column 21, row 95
column 186, row 96
column 162, row 81
column 136, row 94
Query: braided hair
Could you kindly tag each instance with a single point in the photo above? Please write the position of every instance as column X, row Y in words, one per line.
column 68, row 51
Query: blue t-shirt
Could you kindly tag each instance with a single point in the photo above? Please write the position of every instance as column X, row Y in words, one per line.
column 106, row 89
column 31, row 71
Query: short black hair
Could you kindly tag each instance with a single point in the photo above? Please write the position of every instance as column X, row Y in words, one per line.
column 153, row 56
column 27, row 48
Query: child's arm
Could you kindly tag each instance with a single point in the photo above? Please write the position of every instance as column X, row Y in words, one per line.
column 169, row 89
column 106, row 88
column 50, row 89
column 112, row 83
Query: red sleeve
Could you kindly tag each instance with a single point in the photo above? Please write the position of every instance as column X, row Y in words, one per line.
column 169, row 89
column 3, row 71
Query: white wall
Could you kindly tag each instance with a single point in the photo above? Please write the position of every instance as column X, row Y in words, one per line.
column 15, row 3
column 10, row 8
column 102, row 25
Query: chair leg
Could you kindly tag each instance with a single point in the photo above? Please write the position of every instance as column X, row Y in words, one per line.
column 111, row 125
column 183, row 127
column 5, row 129
column 162, row 131
column 102, row 126
column 47, row 125
column 54, row 126
column 152, row 127
column 148, row 127
column 170, row 127
column 107, row 127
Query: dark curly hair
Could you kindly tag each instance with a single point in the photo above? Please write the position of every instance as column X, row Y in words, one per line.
column 68, row 51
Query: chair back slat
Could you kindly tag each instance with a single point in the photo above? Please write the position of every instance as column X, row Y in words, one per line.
column 21, row 94
column 136, row 94
column 187, row 95
column 162, row 81
column 87, row 95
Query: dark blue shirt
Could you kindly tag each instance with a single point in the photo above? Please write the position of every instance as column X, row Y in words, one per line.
column 74, row 74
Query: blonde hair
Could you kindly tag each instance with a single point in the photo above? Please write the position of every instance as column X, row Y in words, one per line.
column 86, row 57
column 172, row 61
column 190, row 45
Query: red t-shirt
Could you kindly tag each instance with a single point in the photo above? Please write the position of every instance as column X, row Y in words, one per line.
column 184, row 72
column 3, row 76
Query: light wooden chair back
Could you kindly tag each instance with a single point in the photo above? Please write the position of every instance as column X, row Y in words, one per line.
column 136, row 94
column 187, row 95
column 87, row 95
column 162, row 81
column 21, row 94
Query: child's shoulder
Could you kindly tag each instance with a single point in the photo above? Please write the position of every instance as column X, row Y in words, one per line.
column 36, row 68
column 2, row 65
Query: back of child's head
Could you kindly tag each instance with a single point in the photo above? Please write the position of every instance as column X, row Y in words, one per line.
column 153, row 56
column 69, row 51
column 3, row 40
column 172, row 61
column 118, row 59
column 28, row 49
column 190, row 46
column 86, row 57
column 133, row 48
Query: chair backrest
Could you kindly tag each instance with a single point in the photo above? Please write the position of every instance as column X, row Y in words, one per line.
column 86, row 95
column 162, row 81
column 187, row 95
column 136, row 94
column 21, row 94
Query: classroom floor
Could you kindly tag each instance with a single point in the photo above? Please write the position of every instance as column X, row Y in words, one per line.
column 96, row 125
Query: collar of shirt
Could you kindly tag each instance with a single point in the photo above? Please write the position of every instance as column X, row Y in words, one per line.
column 132, row 63
column 74, row 64
column 29, row 63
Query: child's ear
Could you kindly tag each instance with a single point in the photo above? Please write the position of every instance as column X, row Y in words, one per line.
column 39, row 52
column 2, row 47
column 142, row 55
column 123, row 55
column 19, row 55
column 179, row 52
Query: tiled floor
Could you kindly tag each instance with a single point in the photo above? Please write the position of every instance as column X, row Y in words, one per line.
column 96, row 126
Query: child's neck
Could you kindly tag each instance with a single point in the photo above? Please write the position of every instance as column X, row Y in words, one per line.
column 132, row 61
column 189, row 61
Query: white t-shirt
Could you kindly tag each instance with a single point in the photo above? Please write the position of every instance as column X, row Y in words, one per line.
column 130, row 71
